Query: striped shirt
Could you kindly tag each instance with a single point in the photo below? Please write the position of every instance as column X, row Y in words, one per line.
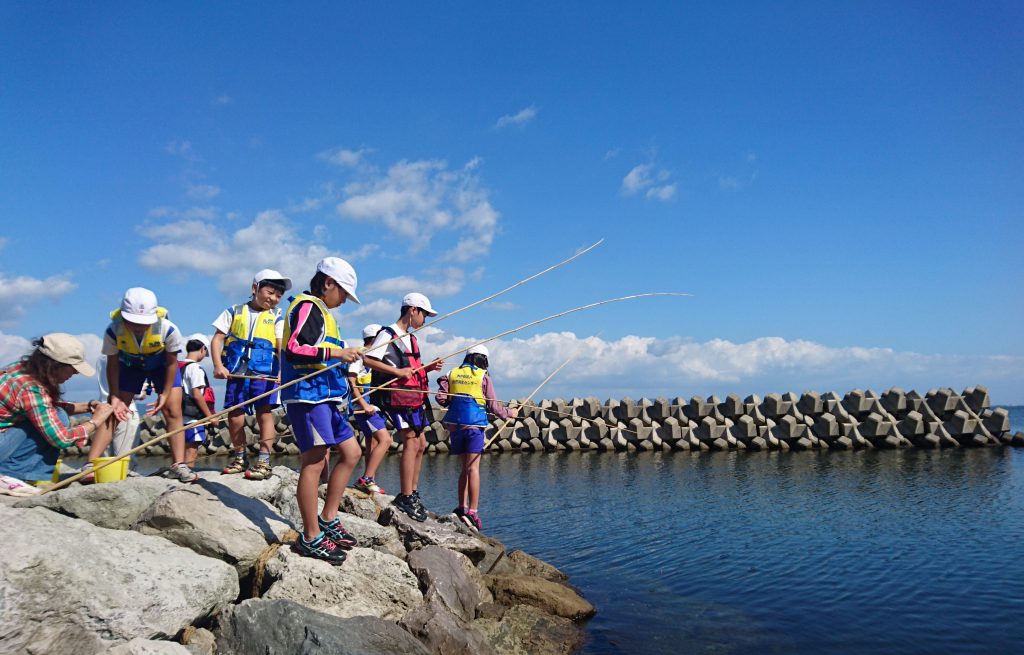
column 23, row 399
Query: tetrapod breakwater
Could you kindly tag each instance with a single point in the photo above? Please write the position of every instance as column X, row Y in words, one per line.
column 940, row 418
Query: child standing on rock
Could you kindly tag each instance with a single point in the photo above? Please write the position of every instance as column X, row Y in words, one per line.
column 197, row 399
column 399, row 366
column 245, row 353
column 311, row 341
column 370, row 420
column 142, row 345
column 468, row 393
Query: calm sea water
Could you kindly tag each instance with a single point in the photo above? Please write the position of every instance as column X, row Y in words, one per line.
column 873, row 552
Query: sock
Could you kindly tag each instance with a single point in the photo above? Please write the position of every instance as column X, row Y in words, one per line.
column 264, row 458
column 315, row 540
column 239, row 453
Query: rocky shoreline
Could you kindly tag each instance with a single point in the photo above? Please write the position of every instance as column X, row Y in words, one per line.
column 941, row 418
column 151, row 566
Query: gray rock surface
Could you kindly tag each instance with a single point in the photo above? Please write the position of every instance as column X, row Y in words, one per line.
column 148, row 647
column 283, row 627
column 215, row 521
column 442, row 632
column 128, row 586
column 369, row 583
column 451, row 577
column 432, row 532
column 115, row 505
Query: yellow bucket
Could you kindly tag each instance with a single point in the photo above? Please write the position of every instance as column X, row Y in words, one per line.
column 113, row 473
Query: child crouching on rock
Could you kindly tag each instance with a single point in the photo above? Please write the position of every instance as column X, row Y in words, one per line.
column 468, row 393
column 311, row 341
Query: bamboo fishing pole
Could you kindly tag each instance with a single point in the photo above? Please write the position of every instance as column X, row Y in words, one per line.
column 224, row 412
column 540, row 386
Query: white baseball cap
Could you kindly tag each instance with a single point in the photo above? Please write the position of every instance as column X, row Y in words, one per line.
column 343, row 274
column 419, row 301
column 139, row 306
column 272, row 276
column 371, row 330
column 66, row 349
column 478, row 350
column 199, row 336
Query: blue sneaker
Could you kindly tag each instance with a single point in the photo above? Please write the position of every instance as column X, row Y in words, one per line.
column 337, row 533
column 408, row 505
column 319, row 548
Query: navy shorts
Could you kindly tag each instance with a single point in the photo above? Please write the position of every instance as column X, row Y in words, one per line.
column 195, row 435
column 369, row 423
column 318, row 424
column 133, row 379
column 238, row 391
column 467, row 439
column 408, row 418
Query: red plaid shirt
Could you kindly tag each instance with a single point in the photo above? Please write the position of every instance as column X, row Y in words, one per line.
column 22, row 399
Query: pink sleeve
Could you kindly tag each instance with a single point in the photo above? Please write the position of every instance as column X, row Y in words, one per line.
column 304, row 324
column 494, row 405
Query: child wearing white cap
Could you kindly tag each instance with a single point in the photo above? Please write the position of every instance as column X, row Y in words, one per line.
column 469, row 395
column 245, row 351
column 197, row 399
column 370, row 420
column 142, row 345
column 399, row 365
column 311, row 342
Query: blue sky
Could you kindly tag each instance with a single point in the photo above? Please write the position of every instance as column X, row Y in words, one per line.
column 840, row 186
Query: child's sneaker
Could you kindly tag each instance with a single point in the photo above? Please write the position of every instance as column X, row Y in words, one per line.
column 181, row 473
column 472, row 519
column 408, row 505
column 459, row 512
column 238, row 464
column 419, row 503
column 14, row 487
column 368, row 485
column 259, row 471
column 337, row 533
column 320, row 548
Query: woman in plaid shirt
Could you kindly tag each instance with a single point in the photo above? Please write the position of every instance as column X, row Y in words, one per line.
column 34, row 424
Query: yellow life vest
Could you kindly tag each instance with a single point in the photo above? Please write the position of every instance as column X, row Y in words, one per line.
column 466, row 402
column 255, row 351
column 329, row 385
column 146, row 353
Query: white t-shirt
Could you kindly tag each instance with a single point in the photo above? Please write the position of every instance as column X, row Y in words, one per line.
column 173, row 342
column 377, row 350
column 227, row 317
column 192, row 378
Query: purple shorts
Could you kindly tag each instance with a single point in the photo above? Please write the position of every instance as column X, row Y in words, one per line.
column 195, row 435
column 133, row 379
column 238, row 391
column 408, row 418
column 466, row 440
column 317, row 424
column 369, row 423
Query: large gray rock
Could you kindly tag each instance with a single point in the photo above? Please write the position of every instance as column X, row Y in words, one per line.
column 452, row 577
column 369, row 583
column 148, row 647
column 284, row 627
column 526, row 564
column 115, row 505
column 441, row 631
column 215, row 521
column 263, row 489
column 525, row 630
column 550, row 597
column 432, row 532
column 104, row 587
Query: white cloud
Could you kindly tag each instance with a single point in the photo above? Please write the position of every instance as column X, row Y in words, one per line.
column 200, row 245
column 13, row 347
column 203, row 191
column 521, row 117
column 649, row 367
column 18, row 293
column 653, row 183
column 379, row 311
column 416, row 200
column 344, row 156
column 445, row 282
